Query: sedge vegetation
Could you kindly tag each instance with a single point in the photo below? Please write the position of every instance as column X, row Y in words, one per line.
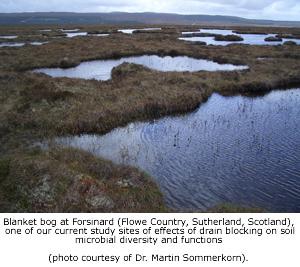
column 36, row 107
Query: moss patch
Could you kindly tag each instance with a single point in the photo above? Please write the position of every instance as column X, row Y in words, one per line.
column 69, row 180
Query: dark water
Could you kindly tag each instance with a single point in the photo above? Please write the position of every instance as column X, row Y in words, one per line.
column 251, row 39
column 232, row 149
column 101, row 69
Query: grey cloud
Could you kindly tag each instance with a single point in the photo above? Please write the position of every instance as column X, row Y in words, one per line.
column 268, row 9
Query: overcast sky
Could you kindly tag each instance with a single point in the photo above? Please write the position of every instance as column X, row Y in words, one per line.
column 263, row 9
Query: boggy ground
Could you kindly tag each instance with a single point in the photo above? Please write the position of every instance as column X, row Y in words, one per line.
column 35, row 107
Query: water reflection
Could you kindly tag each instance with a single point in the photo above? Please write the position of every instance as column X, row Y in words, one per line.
column 232, row 149
column 69, row 30
column 75, row 34
column 131, row 31
column 38, row 43
column 250, row 39
column 212, row 31
column 101, row 69
column 8, row 36
column 11, row 44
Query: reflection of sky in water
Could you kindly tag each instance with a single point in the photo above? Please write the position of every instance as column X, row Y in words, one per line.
column 11, row 44
column 71, row 30
column 38, row 43
column 251, row 39
column 99, row 34
column 101, row 69
column 8, row 36
column 216, row 31
column 212, row 31
column 21, row 44
column 74, row 34
column 130, row 31
column 232, row 149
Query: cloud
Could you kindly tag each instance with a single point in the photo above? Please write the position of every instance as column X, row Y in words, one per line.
column 268, row 9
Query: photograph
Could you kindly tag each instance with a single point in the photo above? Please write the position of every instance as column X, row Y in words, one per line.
column 150, row 106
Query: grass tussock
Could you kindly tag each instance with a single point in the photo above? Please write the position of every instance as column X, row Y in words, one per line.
column 229, row 38
column 273, row 39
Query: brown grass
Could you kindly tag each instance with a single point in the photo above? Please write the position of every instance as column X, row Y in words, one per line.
column 35, row 107
column 229, row 38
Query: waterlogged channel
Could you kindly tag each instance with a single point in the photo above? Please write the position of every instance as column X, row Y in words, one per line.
column 237, row 149
column 101, row 69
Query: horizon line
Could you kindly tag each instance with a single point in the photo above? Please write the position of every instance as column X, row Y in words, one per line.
column 145, row 12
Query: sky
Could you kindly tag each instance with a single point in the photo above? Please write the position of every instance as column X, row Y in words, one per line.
column 257, row 9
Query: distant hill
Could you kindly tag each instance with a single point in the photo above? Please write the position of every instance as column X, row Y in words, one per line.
column 130, row 18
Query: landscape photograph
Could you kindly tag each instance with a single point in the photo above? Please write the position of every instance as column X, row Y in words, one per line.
column 149, row 106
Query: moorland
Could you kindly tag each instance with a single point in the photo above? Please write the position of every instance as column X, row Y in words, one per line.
column 36, row 107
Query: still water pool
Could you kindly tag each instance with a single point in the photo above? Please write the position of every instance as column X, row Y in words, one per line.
column 249, row 39
column 240, row 150
column 101, row 69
